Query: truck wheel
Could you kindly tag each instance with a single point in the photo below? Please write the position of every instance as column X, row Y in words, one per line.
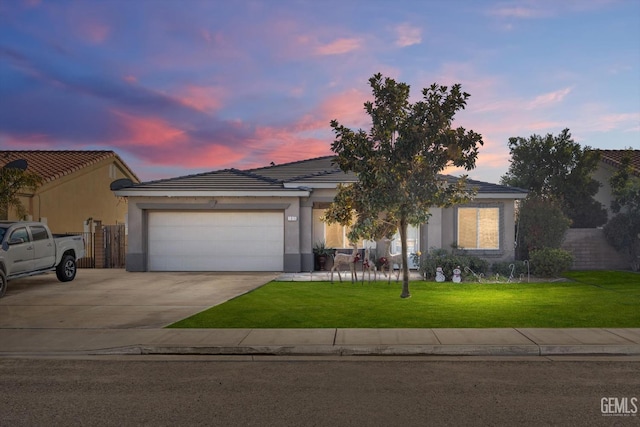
column 66, row 270
column 3, row 283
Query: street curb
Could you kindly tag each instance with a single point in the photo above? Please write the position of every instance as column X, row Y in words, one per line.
column 396, row 350
column 588, row 350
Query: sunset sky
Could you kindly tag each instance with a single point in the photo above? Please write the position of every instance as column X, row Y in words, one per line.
column 178, row 87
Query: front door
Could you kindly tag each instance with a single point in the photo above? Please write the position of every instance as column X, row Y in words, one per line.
column 413, row 244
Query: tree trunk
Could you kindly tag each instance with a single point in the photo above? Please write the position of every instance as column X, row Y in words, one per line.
column 405, row 264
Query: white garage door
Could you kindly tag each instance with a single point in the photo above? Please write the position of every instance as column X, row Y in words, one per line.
column 216, row 241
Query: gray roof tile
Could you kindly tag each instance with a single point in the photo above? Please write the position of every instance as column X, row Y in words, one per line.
column 223, row 180
column 312, row 171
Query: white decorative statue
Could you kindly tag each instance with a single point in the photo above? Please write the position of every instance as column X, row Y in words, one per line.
column 457, row 278
column 439, row 275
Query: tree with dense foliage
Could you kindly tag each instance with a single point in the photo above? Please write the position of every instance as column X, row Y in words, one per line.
column 623, row 230
column 541, row 224
column 398, row 163
column 557, row 167
column 625, row 187
column 13, row 181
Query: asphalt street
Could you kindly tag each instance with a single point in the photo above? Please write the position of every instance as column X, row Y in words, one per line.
column 180, row 391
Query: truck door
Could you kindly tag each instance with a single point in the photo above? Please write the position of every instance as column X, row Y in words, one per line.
column 20, row 251
column 44, row 249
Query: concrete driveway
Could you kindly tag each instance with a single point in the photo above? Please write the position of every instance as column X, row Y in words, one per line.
column 117, row 299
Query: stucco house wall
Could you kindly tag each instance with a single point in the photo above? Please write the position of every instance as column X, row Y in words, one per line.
column 603, row 174
column 75, row 188
column 66, row 203
column 610, row 162
column 298, row 192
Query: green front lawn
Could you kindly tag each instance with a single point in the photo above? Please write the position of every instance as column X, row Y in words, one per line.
column 590, row 299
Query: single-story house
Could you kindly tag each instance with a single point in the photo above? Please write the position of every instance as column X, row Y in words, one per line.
column 610, row 162
column 75, row 189
column 268, row 219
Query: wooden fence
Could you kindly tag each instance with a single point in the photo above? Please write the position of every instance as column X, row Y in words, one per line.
column 104, row 248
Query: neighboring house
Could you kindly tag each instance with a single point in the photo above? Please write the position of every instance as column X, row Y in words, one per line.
column 75, row 190
column 268, row 219
column 609, row 164
column 589, row 246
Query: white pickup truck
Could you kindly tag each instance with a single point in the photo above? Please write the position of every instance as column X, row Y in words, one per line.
column 29, row 248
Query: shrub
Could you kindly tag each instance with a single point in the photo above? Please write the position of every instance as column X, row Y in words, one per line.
column 541, row 224
column 550, row 262
column 622, row 232
column 449, row 261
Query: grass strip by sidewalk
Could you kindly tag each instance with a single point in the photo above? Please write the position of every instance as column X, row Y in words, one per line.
column 591, row 299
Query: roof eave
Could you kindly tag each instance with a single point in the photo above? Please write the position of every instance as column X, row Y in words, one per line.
column 500, row 196
column 209, row 193
column 293, row 185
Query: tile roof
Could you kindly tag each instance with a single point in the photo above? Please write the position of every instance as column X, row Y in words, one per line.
column 223, row 180
column 487, row 187
column 54, row 164
column 298, row 174
column 320, row 169
column 614, row 158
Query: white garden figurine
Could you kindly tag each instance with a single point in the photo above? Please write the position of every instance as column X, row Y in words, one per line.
column 439, row 275
column 391, row 259
column 340, row 260
column 457, row 277
column 368, row 265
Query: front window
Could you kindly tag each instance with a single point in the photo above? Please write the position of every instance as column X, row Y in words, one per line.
column 335, row 236
column 479, row 228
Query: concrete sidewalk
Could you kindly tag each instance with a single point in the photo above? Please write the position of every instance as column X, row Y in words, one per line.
column 117, row 312
column 324, row 342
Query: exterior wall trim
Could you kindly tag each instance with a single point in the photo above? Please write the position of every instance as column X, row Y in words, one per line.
column 214, row 206
column 240, row 193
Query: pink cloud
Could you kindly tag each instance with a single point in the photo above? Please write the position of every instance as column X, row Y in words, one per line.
column 130, row 79
column 339, row 47
column 281, row 145
column 516, row 12
column 543, row 9
column 165, row 144
column 547, row 99
column 408, row 35
column 309, row 136
column 481, row 87
column 624, row 121
column 212, row 157
column 346, row 107
column 149, row 131
column 202, row 98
